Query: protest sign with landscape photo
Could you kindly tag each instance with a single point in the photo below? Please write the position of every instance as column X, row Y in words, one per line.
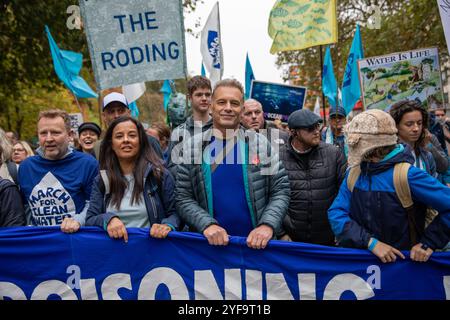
column 412, row 75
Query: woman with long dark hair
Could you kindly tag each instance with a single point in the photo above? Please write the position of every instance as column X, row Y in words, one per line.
column 412, row 125
column 134, row 189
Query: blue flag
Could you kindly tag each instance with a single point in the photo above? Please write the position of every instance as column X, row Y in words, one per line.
column 67, row 66
column 249, row 76
column 203, row 72
column 134, row 109
column 351, row 90
column 329, row 84
column 166, row 89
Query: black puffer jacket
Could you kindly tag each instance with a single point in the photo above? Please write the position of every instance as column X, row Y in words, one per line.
column 315, row 178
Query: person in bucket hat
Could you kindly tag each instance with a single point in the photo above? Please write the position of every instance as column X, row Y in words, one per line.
column 368, row 212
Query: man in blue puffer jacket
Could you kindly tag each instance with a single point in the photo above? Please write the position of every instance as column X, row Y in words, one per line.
column 230, row 181
column 372, row 216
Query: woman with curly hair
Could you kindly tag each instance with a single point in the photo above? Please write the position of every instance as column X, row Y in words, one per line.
column 412, row 125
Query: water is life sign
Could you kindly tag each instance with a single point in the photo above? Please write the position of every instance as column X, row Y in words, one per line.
column 133, row 41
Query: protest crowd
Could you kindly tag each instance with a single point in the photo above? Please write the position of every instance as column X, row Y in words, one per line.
column 228, row 171
column 226, row 163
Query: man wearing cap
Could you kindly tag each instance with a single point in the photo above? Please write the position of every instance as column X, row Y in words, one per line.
column 367, row 212
column 315, row 171
column 88, row 135
column 57, row 182
column 115, row 105
column 234, row 184
column 252, row 118
column 334, row 134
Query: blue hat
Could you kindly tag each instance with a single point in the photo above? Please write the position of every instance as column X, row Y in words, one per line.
column 340, row 112
column 303, row 118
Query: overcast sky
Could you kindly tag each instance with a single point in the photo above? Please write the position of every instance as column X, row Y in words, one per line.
column 243, row 26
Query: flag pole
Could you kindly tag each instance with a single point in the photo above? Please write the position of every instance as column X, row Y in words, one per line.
column 99, row 102
column 186, row 110
column 321, row 77
column 76, row 100
column 220, row 37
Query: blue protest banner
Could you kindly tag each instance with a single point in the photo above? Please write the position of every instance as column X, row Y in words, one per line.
column 44, row 263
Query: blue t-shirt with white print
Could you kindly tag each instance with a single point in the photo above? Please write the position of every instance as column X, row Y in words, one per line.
column 56, row 189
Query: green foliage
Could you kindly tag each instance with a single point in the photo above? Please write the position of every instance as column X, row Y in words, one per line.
column 28, row 82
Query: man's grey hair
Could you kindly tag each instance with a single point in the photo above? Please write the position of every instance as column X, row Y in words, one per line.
column 231, row 83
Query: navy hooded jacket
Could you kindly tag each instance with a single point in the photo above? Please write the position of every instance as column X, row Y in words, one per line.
column 373, row 209
column 160, row 204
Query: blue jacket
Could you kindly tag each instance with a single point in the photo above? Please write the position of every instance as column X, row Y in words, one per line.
column 426, row 156
column 160, row 204
column 373, row 209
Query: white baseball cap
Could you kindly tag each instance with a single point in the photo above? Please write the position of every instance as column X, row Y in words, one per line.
column 114, row 97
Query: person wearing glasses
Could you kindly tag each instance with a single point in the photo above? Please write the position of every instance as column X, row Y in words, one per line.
column 334, row 134
column 316, row 170
column 21, row 151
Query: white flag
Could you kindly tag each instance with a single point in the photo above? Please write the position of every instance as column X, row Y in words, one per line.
column 444, row 9
column 211, row 47
column 340, row 103
column 317, row 107
column 133, row 91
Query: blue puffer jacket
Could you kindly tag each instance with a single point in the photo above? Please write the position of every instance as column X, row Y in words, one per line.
column 373, row 209
column 160, row 204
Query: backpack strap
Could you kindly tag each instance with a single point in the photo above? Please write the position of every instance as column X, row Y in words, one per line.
column 12, row 169
column 105, row 180
column 401, row 184
column 403, row 192
column 353, row 176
